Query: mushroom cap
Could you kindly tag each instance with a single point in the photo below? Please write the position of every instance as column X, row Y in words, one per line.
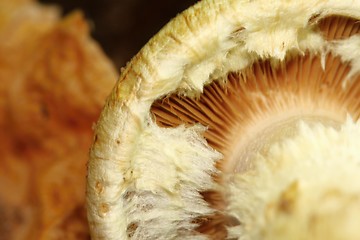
column 145, row 181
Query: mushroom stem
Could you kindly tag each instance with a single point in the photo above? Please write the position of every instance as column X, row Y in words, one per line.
column 305, row 187
column 260, row 138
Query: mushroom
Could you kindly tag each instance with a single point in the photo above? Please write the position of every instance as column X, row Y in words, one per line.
column 53, row 80
column 238, row 120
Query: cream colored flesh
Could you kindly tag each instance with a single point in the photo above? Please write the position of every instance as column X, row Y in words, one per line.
column 144, row 180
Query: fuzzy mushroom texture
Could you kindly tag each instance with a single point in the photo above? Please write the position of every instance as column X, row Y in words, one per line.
column 238, row 120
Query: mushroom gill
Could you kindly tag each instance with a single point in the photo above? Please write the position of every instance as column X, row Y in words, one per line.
column 251, row 109
column 231, row 125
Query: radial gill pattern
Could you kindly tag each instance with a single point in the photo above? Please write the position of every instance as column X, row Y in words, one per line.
column 262, row 94
column 245, row 103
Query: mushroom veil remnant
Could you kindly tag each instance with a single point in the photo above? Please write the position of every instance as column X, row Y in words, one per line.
column 238, row 120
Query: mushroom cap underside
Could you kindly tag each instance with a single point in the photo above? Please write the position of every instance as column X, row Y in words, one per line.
column 189, row 109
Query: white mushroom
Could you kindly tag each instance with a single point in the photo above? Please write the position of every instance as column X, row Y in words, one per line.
column 238, row 120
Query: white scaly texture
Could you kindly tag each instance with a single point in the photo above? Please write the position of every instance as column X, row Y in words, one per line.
column 161, row 185
column 307, row 187
column 349, row 51
column 165, row 187
column 217, row 36
column 204, row 42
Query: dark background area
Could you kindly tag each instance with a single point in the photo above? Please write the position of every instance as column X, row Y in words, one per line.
column 122, row 27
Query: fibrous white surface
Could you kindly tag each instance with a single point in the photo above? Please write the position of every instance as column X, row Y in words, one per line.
column 306, row 187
